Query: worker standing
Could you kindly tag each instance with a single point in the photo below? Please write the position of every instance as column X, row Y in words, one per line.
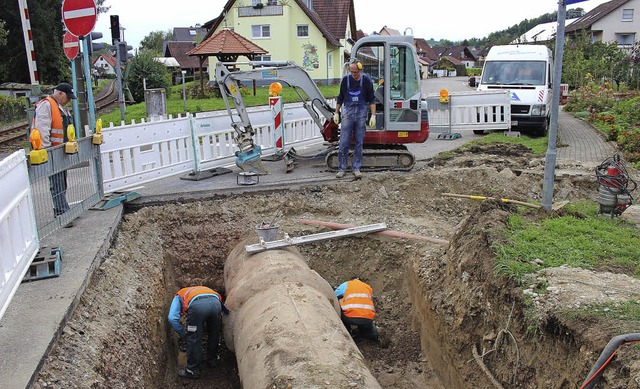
column 52, row 119
column 356, row 92
column 200, row 305
column 357, row 308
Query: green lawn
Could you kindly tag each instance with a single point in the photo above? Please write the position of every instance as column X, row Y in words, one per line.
column 175, row 103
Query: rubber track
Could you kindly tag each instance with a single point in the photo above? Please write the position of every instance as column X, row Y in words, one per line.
column 390, row 155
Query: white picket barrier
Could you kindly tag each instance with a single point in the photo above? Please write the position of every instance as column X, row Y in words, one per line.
column 135, row 154
column 487, row 110
column 19, row 241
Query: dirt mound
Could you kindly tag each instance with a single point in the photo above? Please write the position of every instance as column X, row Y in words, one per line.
column 436, row 304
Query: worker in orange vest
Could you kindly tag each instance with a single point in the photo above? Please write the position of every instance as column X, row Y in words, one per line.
column 357, row 308
column 200, row 305
column 52, row 119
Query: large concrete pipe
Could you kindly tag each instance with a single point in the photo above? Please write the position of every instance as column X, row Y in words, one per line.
column 284, row 325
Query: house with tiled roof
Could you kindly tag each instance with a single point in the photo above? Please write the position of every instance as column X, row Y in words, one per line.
column 616, row 20
column 461, row 54
column 389, row 31
column 105, row 64
column 189, row 34
column 178, row 50
column 315, row 34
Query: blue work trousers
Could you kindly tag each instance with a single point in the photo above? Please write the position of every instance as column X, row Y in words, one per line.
column 366, row 327
column 354, row 118
column 203, row 310
column 58, row 188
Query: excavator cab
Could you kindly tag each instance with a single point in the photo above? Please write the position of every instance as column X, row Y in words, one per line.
column 391, row 63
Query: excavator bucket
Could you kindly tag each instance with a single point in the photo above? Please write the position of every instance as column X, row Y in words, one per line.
column 249, row 161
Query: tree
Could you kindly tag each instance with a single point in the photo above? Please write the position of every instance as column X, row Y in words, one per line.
column 154, row 41
column 45, row 17
column 143, row 68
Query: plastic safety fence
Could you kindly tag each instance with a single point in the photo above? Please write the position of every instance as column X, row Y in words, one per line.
column 65, row 186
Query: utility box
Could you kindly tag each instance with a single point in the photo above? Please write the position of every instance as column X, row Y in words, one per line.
column 156, row 103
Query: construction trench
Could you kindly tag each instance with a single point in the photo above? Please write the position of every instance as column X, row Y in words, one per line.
column 447, row 320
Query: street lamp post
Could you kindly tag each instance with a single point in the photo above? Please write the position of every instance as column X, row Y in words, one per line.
column 184, row 93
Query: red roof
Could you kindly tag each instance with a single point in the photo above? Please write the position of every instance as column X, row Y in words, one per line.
column 226, row 43
column 179, row 50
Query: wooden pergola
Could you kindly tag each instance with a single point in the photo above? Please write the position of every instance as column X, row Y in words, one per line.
column 226, row 46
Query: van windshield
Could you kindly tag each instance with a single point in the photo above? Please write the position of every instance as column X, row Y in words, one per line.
column 514, row 73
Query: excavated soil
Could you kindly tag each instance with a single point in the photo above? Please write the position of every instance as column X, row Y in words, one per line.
column 447, row 320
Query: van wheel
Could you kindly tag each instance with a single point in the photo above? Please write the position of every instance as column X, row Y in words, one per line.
column 478, row 132
column 544, row 130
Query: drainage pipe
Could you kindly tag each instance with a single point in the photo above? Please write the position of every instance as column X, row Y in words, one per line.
column 609, row 351
column 284, row 324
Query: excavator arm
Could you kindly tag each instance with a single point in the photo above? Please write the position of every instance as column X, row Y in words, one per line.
column 248, row 154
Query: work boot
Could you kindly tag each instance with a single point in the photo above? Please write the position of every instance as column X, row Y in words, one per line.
column 340, row 174
column 357, row 174
column 186, row 373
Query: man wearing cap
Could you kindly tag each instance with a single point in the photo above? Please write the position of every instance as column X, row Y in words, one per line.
column 51, row 119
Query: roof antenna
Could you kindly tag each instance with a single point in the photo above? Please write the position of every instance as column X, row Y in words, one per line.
column 408, row 28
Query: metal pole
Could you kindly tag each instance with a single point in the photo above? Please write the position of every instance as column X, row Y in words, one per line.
column 87, row 82
column 119, row 81
column 184, row 93
column 550, row 160
column 76, row 107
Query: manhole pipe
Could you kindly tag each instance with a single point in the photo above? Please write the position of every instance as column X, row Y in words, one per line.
column 284, row 324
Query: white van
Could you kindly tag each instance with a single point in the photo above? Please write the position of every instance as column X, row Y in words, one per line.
column 526, row 70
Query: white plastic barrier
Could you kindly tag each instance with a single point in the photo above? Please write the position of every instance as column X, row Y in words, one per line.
column 488, row 110
column 139, row 153
column 19, row 241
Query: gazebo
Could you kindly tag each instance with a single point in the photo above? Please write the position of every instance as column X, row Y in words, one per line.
column 226, row 46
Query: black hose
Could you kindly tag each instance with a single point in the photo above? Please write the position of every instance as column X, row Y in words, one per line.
column 605, row 356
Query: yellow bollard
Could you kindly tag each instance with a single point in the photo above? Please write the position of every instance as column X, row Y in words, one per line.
column 37, row 155
column 71, row 147
column 98, row 138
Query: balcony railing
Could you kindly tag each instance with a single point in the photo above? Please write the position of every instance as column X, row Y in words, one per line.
column 266, row 10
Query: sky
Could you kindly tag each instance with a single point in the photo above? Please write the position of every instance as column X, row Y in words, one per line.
column 454, row 21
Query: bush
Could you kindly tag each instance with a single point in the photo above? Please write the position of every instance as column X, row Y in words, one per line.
column 11, row 109
column 144, row 67
column 630, row 110
column 591, row 97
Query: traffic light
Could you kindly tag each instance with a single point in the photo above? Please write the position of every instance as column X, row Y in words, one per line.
column 123, row 50
column 94, row 46
column 115, row 28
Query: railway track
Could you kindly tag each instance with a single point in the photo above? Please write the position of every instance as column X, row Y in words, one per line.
column 14, row 136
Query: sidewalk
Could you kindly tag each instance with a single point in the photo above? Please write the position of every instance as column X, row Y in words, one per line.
column 39, row 309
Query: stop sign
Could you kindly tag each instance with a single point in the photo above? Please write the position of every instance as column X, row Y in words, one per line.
column 71, row 45
column 79, row 16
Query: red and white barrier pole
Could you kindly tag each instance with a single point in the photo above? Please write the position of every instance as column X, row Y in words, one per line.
column 28, row 41
column 275, row 104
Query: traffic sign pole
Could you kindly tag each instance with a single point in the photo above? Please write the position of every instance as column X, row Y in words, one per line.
column 76, row 107
column 87, row 78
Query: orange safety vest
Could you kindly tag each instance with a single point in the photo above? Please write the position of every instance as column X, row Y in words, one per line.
column 188, row 294
column 357, row 301
column 56, row 136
